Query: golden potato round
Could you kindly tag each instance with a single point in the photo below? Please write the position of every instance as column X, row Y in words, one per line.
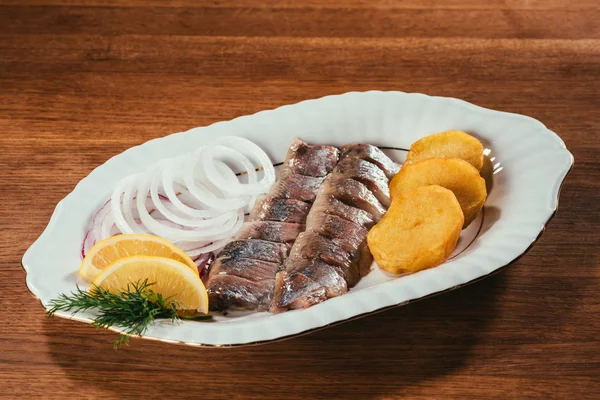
column 448, row 144
column 452, row 173
column 419, row 231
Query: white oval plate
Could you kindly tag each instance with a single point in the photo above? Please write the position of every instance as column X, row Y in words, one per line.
column 529, row 161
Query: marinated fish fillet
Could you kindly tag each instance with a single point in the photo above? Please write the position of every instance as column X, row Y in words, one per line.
column 310, row 160
column 243, row 275
column 348, row 234
column 372, row 154
column 296, row 290
column 369, row 175
column 345, row 235
column 326, row 275
column 328, row 204
column 312, row 246
column 353, row 193
column 282, row 210
column 247, row 268
column 296, row 186
column 272, row 231
column 256, row 249
column 334, row 247
column 234, row 292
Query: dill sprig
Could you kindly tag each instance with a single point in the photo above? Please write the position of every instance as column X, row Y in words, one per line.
column 133, row 309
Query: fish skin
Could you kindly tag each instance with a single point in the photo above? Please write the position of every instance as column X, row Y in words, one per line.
column 348, row 234
column 334, row 249
column 247, row 268
column 281, row 210
column 296, row 186
column 368, row 174
column 272, row 231
column 332, row 278
column 310, row 245
column 256, row 249
column 311, row 160
column 328, row 204
column 355, row 194
column 245, row 271
column 294, row 291
column 236, row 293
column 372, row 154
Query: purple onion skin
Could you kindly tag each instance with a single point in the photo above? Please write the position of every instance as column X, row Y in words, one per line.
column 84, row 245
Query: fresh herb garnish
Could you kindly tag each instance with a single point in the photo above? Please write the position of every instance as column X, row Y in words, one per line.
column 133, row 309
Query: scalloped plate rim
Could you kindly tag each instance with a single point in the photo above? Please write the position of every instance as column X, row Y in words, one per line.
column 558, row 182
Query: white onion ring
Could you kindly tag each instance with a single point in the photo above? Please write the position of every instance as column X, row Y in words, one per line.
column 168, row 180
column 115, row 205
column 210, row 233
column 208, row 248
column 210, row 171
column 244, row 145
column 205, row 194
column 172, row 215
column 196, row 201
column 98, row 220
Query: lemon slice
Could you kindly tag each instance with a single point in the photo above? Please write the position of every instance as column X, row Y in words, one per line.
column 109, row 250
column 167, row 276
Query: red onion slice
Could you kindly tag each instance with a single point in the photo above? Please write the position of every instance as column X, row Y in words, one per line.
column 88, row 241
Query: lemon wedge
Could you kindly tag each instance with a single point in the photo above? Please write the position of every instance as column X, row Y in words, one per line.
column 168, row 277
column 109, row 250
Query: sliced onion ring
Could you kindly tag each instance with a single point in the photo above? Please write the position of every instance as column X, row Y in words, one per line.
column 208, row 233
column 168, row 181
column 197, row 201
column 205, row 193
column 245, row 145
column 207, row 157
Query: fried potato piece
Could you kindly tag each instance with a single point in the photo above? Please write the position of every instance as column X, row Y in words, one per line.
column 419, row 231
column 448, row 144
column 452, row 173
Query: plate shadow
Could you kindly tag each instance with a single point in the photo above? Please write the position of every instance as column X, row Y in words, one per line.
column 385, row 353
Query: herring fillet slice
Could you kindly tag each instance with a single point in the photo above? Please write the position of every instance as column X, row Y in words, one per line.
column 333, row 249
column 280, row 210
column 243, row 275
column 369, row 175
column 274, row 231
column 372, row 154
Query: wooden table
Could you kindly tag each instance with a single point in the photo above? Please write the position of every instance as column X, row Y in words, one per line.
column 82, row 80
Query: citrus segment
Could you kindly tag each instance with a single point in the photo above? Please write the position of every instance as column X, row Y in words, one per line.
column 170, row 278
column 109, row 250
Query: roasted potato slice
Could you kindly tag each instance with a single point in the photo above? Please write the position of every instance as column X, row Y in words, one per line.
column 452, row 173
column 419, row 230
column 448, row 144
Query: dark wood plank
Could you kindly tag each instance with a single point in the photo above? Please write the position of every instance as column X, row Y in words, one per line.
column 334, row 4
column 81, row 80
column 302, row 22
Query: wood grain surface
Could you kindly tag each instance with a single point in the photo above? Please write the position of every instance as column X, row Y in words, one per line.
column 83, row 80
